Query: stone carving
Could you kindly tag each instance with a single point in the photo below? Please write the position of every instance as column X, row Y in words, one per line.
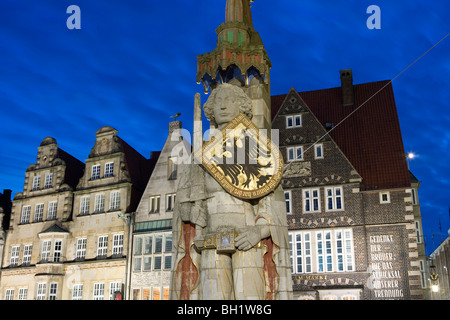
column 298, row 169
column 227, row 247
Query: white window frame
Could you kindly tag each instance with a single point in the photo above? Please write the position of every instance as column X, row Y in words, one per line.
column 57, row 250
column 288, row 199
column 23, row 293
column 38, row 212
column 95, row 172
column 324, row 251
column 36, row 183
column 114, row 201
column 291, row 121
column 9, row 294
column 99, row 291
column 300, row 245
column 48, row 181
column 109, row 170
column 414, row 196
column 26, row 213
column 170, row 201
column 26, row 256
column 418, row 231
column 80, row 251
column 102, row 246
column 52, row 210
column 295, row 153
column 113, row 287
column 45, row 250
column 317, row 147
column 77, row 291
column 85, row 205
column 117, row 249
column 99, row 203
column 388, row 197
column 311, row 200
column 334, row 199
column 14, row 256
column 52, row 291
column 155, row 203
column 41, row 291
column 343, row 241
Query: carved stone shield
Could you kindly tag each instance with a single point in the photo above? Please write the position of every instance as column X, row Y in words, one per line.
column 242, row 159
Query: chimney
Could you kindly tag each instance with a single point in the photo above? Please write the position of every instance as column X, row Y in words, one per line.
column 347, row 87
column 174, row 125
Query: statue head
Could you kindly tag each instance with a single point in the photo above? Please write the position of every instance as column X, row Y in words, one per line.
column 225, row 104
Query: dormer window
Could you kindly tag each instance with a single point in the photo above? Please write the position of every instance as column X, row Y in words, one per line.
column 36, row 183
column 109, row 169
column 48, row 183
column 294, row 121
column 95, row 172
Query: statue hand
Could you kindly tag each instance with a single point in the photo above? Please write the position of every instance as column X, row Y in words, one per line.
column 251, row 236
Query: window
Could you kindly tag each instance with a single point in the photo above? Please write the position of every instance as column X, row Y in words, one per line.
column 334, row 199
column 154, row 204
column 51, row 210
column 95, row 172
column 14, row 258
column 385, row 197
column 23, row 292
column 148, row 257
column 80, row 253
column 25, row 217
column 27, row 249
column 84, row 205
column 114, row 201
column 117, row 245
column 300, row 244
column 418, row 232
column 99, row 204
column 109, row 169
column 57, row 251
column 102, row 247
column 170, row 202
column 318, row 151
column 414, row 196
column 45, row 250
column 311, row 200
column 113, row 288
column 77, row 292
column 36, row 183
column 295, row 153
column 294, row 121
column 172, row 168
column 333, row 251
column 41, row 290
column 38, row 212
column 9, row 294
column 287, row 197
column 52, row 291
column 48, row 182
column 99, row 291
column 344, row 250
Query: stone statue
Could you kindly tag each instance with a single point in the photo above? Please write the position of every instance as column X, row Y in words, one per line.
column 227, row 247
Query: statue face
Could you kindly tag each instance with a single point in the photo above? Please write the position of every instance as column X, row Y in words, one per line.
column 226, row 107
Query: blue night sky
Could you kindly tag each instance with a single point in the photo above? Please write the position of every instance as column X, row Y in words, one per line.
column 133, row 64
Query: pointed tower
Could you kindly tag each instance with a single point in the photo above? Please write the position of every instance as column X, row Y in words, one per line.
column 240, row 59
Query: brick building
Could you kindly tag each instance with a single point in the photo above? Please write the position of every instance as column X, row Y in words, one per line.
column 348, row 193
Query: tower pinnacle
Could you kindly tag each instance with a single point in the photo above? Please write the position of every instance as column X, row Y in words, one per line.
column 239, row 11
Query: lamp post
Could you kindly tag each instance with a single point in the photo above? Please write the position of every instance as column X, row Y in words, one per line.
column 409, row 157
column 434, row 278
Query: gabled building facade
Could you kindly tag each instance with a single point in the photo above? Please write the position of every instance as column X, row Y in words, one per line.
column 348, row 193
column 69, row 228
column 32, row 265
column 150, row 261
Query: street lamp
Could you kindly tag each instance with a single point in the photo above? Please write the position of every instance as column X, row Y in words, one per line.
column 434, row 279
column 410, row 156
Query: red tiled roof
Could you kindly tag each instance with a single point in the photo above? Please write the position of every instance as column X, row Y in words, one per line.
column 370, row 138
